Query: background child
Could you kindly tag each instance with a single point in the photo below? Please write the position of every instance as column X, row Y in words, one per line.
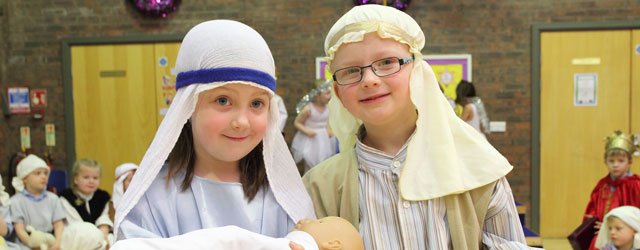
column 124, row 174
column 84, row 201
column 473, row 111
column 33, row 205
column 619, row 187
column 227, row 162
column 620, row 229
column 407, row 162
column 314, row 140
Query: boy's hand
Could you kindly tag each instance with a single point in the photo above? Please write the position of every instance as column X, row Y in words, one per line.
column 295, row 246
column 597, row 226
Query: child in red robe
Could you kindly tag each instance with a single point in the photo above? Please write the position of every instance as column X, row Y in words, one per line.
column 620, row 187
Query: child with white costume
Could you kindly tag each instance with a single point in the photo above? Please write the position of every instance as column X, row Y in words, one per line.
column 227, row 162
column 620, row 229
column 410, row 174
column 124, row 174
column 34, row 210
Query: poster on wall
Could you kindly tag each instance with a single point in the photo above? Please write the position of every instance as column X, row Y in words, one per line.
column 18, row 100
column 585, row 89
column 322, row 71
column 450, row 70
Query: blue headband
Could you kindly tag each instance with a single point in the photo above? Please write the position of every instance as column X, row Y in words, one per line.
column 224, row 75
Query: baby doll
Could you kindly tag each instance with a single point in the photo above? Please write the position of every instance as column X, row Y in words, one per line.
column 329, row 233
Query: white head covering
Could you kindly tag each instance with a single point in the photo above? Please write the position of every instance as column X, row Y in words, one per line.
column 24, row 168
column 630, row 215
column 446, row 155
column 82, row 236
column 4, row 196
column 212, row 54
column 122, row 172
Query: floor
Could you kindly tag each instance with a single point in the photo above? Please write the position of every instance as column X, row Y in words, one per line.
column 556, row 244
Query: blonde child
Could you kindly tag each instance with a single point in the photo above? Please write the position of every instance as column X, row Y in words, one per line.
column 620, row 186
column 410, row 172
column 84, row 201
column 620, row 229
column 227, row 163
column 33, row 206
column 314, row 140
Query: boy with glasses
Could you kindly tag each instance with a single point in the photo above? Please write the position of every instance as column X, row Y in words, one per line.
column 411, row 174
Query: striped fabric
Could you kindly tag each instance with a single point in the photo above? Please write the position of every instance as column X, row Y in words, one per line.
column 389, row 222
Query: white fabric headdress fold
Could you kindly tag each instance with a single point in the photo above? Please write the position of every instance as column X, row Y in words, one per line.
column 24, row 168
column 446, row 155
column 122, row 172
column 630, row 215
column 4, row 196
column 242, row 56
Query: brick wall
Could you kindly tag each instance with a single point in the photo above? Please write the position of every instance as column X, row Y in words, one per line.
column 495, row 32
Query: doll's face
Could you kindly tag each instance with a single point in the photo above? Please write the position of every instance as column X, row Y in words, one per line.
column 332, row 233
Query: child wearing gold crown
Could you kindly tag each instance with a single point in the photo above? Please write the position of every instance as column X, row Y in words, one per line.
column 620, row 187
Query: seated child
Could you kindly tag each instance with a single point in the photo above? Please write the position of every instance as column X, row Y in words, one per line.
column 92, row 237
column 124, row 174
column 33, row 206
column 620, row 229
column 329, row 233
column 619, row 187
column 84, row 201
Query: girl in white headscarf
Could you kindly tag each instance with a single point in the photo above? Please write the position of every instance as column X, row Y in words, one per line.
column 227, row 162
column 411, row 174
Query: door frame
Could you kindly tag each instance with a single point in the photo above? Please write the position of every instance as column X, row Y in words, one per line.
column 536, row 30
column 70, row 134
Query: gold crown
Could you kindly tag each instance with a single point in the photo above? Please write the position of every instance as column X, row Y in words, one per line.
column 622, row 141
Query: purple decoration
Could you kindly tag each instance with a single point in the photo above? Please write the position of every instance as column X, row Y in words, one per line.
column 156, row 8
column 398, row 4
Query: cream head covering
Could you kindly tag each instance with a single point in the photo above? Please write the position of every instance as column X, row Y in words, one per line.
column 24, row 168
column 630, row 215
column 122, row 172
column 213, row 54
column 445, row 155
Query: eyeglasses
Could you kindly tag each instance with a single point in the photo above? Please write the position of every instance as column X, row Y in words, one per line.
column 382, row 67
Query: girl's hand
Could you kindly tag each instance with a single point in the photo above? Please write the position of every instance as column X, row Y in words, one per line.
column 311, row 133
column 295, row 246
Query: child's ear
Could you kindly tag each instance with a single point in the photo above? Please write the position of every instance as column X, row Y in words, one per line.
column 331, row 245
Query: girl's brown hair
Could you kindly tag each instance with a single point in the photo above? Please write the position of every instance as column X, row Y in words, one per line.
column 253, row 174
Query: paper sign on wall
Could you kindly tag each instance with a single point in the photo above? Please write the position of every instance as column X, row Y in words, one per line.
column 18, row 100
column 50, row 134
column 38, row 98
column 585, row 89
column 25, row 137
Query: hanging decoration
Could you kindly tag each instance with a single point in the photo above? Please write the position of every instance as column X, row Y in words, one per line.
column 398, row 4
column 156, row 8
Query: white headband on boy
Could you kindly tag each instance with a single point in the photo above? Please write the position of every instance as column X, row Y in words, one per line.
column 630, row 215
column 446, row 155
column 122, row 172
column 24, row 168
column 240, row 55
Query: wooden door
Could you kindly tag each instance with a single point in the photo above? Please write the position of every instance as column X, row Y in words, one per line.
column 114, row 103
column 571, row 137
